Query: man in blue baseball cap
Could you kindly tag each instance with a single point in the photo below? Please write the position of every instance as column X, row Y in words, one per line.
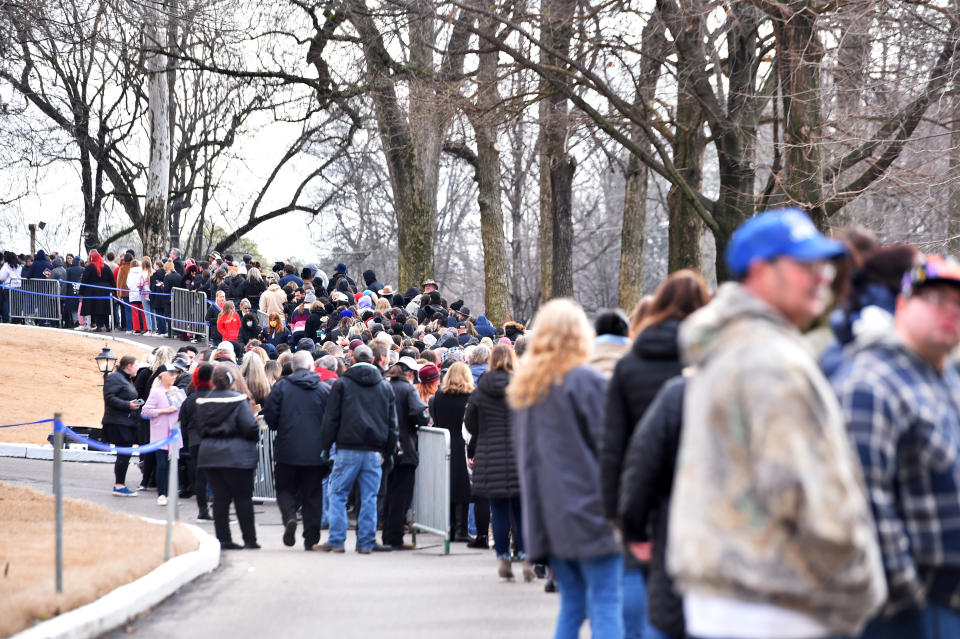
column 770, row 531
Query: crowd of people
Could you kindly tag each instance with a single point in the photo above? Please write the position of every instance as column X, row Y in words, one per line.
column 746, row 463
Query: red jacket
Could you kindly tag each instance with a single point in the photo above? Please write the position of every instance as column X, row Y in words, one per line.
column 229, row 329
column 325, row 373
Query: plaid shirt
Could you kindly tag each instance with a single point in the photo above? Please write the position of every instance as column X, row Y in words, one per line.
column 904, row 419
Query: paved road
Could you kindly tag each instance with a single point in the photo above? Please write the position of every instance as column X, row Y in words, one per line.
column 285, row 592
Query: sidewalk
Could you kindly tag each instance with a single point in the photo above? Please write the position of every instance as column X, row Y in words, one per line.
column 280, row 591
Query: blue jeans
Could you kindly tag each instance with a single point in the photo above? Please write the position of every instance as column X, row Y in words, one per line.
column 351, row 466
column 934, row 622
column 636, row 621
column 127, row 314
column 163, row 472
column 151, row 322
column 500, row 510
column 589, row 589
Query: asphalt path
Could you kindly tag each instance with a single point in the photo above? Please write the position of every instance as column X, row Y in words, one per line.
column 286, row 592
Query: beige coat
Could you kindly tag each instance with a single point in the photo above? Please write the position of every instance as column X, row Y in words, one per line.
column 272, row 300
column 768, row 502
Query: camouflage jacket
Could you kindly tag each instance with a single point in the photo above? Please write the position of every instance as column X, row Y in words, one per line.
column 769, row 502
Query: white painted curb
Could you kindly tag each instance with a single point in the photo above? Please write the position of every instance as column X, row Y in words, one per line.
column 126, row 602
column 45, row 451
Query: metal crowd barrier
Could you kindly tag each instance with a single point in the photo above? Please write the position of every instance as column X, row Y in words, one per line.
column 431, row 492
column 263, row 485
column 188, row 313
column 36, row 299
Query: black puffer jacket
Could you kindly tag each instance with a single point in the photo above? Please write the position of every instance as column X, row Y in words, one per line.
column 228, row 431
column 188, row 423
column 294, row 408
column 448, row 411
column 636, row 379
column 314, row 326
column 118, row 392
column 411, row 414
column 361, row 412
column 248, row 333
column 488, row 421
column 646, row 483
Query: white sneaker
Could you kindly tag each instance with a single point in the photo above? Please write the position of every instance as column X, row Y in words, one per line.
column 162, row 500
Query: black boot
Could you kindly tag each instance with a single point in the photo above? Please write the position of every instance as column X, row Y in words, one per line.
column 460, row 524
column 480, row 541
column 204, row 513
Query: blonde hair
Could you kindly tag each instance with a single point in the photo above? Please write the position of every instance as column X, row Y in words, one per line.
column 163, row 355
column 562, row 339
column 458, row 380
column 167, row 266
column 256, row 378
column 383, row 305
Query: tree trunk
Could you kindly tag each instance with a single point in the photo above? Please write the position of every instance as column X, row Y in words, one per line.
column 153, row 230
column 799, row 57
column 632, row 239
column 685, row 225
column 545, row 235
column 484, row 121
column 953, row 177
column 173, row 36
column 557, row 28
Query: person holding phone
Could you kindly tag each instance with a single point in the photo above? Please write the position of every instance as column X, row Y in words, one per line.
column 162, row 408
column 121, row 419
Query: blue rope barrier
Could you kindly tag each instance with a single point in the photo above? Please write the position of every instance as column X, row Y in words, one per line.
column 143, row 310
column 119, row 450
column 39, row 421
column 112, row 288
column 63, row 297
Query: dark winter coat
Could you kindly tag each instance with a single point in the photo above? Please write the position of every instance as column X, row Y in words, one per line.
column 159, row 303
column 370, row 277
column 248, row 333
column 286, row 279
column 252, row 291
column 361, row 412
column 556, row 445
column 487, row 419
column 38, row 268
column 335, row 279
column 314, row 326
column 228, row 431
column 637, row 377
column 118, row 392
column 213, row 313
column 171, row 281
column 275, row 338
column 644, row 506
column 294, row 408
column 447, row 411
column 188, row 413
column 104, row 278
column 411, row 415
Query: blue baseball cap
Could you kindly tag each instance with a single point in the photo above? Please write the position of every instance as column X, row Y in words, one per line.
column 779, row 233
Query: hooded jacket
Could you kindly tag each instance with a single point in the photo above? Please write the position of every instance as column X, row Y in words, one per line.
column 273, row 299
column 294, row 408
column 370, row 277
column 118, row 392
column 37, row 270
column 487, row 419
column 411, row 414
column 361, row 412
column 653, row 359
column 769, row 504
column 483, row 327
column 228, row 431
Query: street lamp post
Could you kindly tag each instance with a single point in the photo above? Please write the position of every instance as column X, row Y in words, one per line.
column 105, row 362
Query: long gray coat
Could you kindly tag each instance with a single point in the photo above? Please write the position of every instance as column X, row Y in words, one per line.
column 556, row 445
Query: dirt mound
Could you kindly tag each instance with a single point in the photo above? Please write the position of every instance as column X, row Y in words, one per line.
column 49, row 371
column 102, row 549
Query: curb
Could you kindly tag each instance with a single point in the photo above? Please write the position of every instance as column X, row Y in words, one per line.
column 126, row 602
column 45, row 451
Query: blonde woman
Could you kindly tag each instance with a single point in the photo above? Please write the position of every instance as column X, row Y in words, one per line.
column 446, row 408
column 557, row 406
column 254, row 375
column 146, row 268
